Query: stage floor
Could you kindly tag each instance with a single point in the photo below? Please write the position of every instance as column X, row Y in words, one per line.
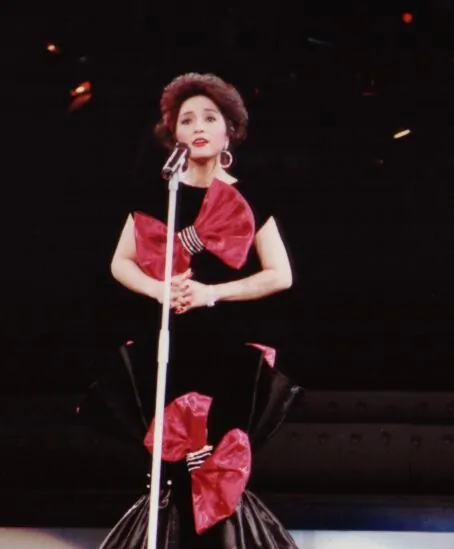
column 90, row 538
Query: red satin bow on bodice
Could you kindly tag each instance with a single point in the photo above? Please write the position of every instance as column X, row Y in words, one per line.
column 218, row 484
column 225, row 225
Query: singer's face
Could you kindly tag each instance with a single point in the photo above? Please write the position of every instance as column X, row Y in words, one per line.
column 201, row 125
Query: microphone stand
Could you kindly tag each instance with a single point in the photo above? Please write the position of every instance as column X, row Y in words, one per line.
column 163, row 357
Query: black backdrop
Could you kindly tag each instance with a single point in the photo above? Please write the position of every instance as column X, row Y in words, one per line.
column 368, row 218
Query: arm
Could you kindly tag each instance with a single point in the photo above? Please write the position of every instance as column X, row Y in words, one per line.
column 276, row 273
column 275, row 276
column 125, row 269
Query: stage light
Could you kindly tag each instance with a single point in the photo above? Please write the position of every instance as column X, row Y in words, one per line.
column 79, row 101
column 52, row 48
column 81, row 95
column 318, row 42
column 82, row 88
column 401, row 133
column 407, row 17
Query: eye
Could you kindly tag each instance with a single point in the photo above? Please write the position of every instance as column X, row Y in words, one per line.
column 211, row 118
column 185, row 121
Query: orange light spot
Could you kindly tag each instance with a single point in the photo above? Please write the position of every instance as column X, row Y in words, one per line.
column 53, row 48
column 83, row 87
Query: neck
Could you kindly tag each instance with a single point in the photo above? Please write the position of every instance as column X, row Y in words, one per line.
column 201, row 174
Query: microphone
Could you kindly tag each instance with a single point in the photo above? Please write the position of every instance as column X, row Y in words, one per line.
column 178, row 159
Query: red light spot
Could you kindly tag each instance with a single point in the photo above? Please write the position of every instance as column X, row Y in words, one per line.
column 407, row 17
column 78, row 102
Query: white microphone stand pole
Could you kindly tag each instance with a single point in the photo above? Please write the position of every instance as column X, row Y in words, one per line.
column 163, row 357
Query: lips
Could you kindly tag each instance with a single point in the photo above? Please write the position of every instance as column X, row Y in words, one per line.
column 199, row 142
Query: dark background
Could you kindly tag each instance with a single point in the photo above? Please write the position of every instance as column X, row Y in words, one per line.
column 367, row 218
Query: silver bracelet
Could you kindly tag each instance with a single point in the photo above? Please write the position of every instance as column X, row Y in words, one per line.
column 211, row 297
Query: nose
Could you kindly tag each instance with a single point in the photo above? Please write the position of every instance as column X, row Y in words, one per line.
column 198, row 126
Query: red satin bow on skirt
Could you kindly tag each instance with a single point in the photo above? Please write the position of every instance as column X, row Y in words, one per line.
column 225, row 225
column 217, row 485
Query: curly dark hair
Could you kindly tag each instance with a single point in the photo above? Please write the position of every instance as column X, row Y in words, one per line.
column 224, row 95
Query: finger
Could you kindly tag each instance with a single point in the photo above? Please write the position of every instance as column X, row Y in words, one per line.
column 185, row 276
column 176, row 295
column 183, row 300
column 181, row 285
column 182, row 295
column 176, row 280
column 182, row 276
column 183, row 306
column 176, row 299
column 185, row 293
column 176, row 291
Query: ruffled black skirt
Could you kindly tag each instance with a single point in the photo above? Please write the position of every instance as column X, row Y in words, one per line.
column 252, row 525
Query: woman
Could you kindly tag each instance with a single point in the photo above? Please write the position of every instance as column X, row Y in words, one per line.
column 229, row 255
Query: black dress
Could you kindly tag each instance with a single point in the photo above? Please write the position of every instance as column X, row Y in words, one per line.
column 211, row 355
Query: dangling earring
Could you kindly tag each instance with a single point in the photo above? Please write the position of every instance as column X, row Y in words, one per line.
column 226, row 159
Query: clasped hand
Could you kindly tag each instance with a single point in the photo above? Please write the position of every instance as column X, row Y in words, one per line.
column 186, row 294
